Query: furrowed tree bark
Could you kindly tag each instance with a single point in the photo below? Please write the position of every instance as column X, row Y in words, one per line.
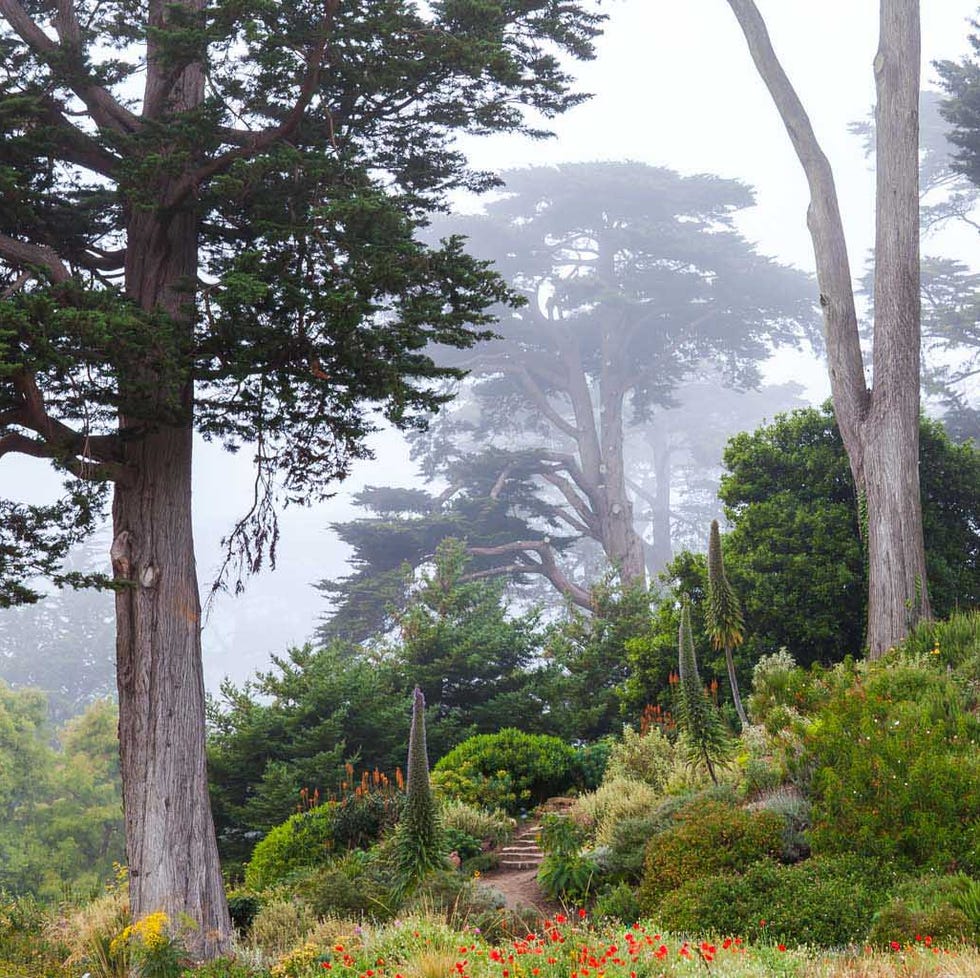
column 171, row 849
column 880, row 427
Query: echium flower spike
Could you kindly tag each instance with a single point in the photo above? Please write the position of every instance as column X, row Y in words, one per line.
column 705, row 740
column 722, row 614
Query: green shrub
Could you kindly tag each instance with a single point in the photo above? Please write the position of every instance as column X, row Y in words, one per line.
column 280, row 925
column 616, row 800
column 565, row 873
column 351, row 886
column 301, row 842
column 243, row 905
column 709, row 838
column 943, row 907
column 493, row 828
column 897, row 771
column 509, row 770
column 824, row 902
column 648, row 757
column 618, row 903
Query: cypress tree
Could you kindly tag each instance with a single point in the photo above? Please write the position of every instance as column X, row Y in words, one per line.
column 723, row 616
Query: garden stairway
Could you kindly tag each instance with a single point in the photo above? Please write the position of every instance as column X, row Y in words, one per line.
column 523, row 852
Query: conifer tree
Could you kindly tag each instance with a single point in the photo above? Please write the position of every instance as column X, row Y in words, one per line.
column 705, row 739
column 723, row 616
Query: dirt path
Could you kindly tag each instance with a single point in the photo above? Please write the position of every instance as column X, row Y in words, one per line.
column 520, row 889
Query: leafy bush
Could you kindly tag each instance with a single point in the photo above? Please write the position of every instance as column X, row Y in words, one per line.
column 616, row 800
column 618, row 903
column 824, row 901
column 649, row 757
column 280, row 925
column 897, row 771
column 945, row 908
column 565, row 872
column 494, row 828
column 509, row 770
column 243, row 905
column 301, row 842
column 709, row 838
column 354, row 885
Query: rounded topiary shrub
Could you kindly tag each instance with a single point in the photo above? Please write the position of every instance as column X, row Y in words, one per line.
column 826, row 902
column 709, row 838
column 511, row 770
column 301, row 842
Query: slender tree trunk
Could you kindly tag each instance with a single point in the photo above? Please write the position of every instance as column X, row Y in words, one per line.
column 897, row 596
column 879, row 427
column 661, row 552
column 733, row 683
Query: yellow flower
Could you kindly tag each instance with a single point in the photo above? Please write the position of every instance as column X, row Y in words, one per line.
column 150, row 931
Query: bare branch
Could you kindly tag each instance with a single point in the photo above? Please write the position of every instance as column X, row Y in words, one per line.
column 546, row 565
column 16, row 443
column 544, row 405
column 574, row 500
column 63, row 441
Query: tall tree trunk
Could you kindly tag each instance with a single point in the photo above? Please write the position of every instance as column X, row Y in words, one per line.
column 171, row 848
column 170, row 841
column 661, row 552
column 897, row 595
column 879, row 427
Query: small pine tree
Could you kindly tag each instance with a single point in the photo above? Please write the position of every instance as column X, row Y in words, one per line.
column 418, row 842
column 723, row 616
column 705, row 738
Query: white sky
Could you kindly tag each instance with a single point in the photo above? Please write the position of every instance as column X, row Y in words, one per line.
column 674, row 86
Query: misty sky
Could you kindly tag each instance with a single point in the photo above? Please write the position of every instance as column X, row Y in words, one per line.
column 674, row 86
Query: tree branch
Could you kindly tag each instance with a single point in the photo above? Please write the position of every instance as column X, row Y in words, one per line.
column 104, row 109
column 851, row 395
column 16, row 443
column 25, row 255
column 62, row 440
column 547, row 566
column 220, row 164
column 538, row 397
column 574, row 500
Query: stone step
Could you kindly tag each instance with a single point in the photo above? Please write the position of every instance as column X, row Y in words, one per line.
column 520, row 862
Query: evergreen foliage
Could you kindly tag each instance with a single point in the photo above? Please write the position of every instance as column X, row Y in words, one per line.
column 704, row 737
column 961, row 82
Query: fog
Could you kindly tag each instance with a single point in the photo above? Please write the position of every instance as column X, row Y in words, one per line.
column 673, row 86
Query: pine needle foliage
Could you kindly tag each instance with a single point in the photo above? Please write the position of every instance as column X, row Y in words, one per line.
column 705, row 739
column 418, row 842
column 723, row 615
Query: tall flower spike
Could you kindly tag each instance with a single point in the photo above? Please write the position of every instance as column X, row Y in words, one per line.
column 722, row 614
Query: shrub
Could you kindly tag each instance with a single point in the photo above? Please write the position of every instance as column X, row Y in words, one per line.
column 617, row 799
column 618, row 903
column 709, row 838
column 350, row 886
column 943, row 907
column 565, row 873
column 243, row 905
column 492, row 828
column 509, row 770
column 897, row 771
column 649, row 757
column 280, row 925
column 823, row 901
column 301, row 842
